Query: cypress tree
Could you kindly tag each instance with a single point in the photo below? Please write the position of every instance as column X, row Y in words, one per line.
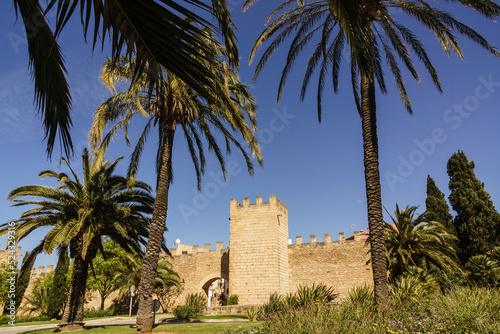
column 477, row 223
column 436, row 207
column 23, row 276
column 57, row 294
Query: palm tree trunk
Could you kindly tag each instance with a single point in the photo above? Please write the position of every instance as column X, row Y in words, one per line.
column 373, row 189
column 72, row 318
column 150, row 261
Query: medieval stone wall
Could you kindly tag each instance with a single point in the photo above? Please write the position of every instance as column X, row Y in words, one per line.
column 260, row 261
column 199, row 267
column 340, row 264
column 258, row 258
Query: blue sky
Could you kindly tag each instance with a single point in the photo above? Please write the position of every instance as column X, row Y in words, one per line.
column 316, row 170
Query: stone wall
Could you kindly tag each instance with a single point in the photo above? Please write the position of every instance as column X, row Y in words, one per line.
column 199, row 267
column 259, row 261
column 258, row 258
column 341, row 264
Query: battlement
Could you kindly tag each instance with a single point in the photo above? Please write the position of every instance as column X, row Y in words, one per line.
column 358, row 236
column 187, row 249
column 273, row 204
column 41, row 270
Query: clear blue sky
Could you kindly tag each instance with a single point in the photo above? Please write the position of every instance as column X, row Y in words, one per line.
column 316, row 170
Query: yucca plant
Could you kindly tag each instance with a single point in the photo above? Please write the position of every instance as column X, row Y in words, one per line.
column 276, row 304
column 253, row 314
column 362, row 296
column 406, row 290
column 314, row 294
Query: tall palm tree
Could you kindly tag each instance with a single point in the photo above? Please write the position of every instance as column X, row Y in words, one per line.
column 412, row 241
column 79, row 214
column 176, row 105
column 336, row 24
column 154, row 31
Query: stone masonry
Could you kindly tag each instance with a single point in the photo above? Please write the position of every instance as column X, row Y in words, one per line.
column 260, row 260
column 258, row 256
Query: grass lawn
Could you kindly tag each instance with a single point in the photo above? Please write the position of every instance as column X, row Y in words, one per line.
column 195, row 328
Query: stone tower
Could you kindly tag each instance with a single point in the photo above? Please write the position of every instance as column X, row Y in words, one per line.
column 258, row 250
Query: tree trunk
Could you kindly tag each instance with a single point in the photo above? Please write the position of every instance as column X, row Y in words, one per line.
column 103, row 298
column 373, row 189
column 72, row 318
column 150, row 261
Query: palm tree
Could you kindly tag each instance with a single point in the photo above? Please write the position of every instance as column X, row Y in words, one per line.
column 129, row 273
column 378, row 33
column 154, row 31
column 80, row 213
column 176, row 105
column 412, row 241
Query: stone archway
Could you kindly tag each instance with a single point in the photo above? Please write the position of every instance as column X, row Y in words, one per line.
column 216, row 290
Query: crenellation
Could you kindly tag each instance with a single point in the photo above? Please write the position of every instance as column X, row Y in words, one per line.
column 207, row 247
column 258, row 200
column 273, row 204
column 341, row 236
column 327, row 238
column 50, row 268
column 313, row 238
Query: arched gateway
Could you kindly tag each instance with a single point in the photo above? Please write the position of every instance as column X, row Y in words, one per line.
column 262, row 261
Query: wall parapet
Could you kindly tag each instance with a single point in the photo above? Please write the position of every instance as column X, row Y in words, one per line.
column 183, row 250
column 41, row 270
column 313, row 240
column 259, row 205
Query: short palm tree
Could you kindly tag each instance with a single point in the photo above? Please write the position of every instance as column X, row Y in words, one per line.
column 177, row 105
column 412, row 241
column 370, row 32
column 153, row 30
column 79, row 214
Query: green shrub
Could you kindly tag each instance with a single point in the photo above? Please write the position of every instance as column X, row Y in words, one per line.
column 93, row 313
column 314, row 294
column 198, row 301
column 253, row 314
column 4, row 319
column 276, row 304
column 233, row 300
column 184, row 312
column 362, row 296
column 462, row 310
